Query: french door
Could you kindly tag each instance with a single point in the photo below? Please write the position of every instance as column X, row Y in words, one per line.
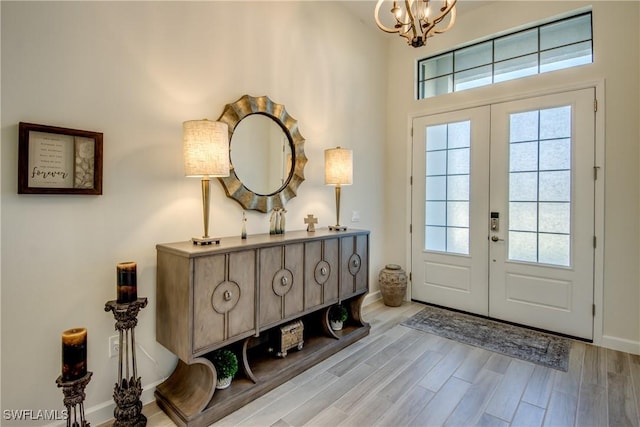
column 503, row 211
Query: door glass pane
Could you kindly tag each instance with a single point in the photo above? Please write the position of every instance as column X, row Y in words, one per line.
column 523, row 216
column 523, row 127
column 435, row 239
column 540, row 186
column 523, row 157
column 555, row 186
column 458, row 214
column 436, row 188
column 555, row 217
column 555, row 154
column 447, row 157
column 555, row 123
column 458, row 187
column 436, row 163
column 522, row 246
column 459, row 135
column 436, row 213
column 437, row 137
column 554, row 249
column 458, row 162
column 458, row 240
column 523, row 187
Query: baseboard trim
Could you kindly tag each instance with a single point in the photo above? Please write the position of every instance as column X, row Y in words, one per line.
column 620, row 344
column 371, row 298
column 103, row 412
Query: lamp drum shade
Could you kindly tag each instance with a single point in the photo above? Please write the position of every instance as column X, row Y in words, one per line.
column 206, row 148
column 338, row 166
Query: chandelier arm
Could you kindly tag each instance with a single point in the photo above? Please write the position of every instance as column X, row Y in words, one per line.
column 451, row 21
column 380, row 25
column 399, row 23
column 429, row 29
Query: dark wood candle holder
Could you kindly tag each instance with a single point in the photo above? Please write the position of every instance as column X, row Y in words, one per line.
column 128, row 389
column 74, row 396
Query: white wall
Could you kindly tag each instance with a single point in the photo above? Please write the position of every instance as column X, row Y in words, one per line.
column 616, row 63
column 135, row 71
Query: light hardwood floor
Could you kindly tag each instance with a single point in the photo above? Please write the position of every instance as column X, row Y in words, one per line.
column 398, row 376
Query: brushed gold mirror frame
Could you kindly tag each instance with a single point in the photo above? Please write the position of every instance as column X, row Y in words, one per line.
column 234, row 187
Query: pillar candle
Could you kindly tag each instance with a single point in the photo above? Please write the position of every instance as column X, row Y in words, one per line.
column 127, row 282
column 74, row 354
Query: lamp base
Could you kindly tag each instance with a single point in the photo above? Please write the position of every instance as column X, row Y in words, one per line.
column 205, row 241
column 338, row 227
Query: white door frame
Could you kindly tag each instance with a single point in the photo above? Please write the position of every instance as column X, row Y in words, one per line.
column 599, row 209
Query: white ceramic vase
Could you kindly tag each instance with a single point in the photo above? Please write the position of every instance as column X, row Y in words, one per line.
column 336, row 325
column 223, row 383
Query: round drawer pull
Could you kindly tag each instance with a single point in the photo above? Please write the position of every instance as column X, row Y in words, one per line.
column 284, row 281
column 228, row 295
column 356, row 263
column 323, row 271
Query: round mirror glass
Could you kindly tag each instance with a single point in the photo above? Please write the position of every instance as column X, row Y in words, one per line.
column 263, row 176
column 261, row 154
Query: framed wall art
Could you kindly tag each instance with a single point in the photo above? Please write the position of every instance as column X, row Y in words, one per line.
column 55, row 160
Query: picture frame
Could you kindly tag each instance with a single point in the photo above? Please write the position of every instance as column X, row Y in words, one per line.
column 56, row 160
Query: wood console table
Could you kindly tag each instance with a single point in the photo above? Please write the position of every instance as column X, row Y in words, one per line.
column 235, row 294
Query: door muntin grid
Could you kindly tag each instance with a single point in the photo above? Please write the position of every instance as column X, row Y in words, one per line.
column 447, row 166
column 540, row 177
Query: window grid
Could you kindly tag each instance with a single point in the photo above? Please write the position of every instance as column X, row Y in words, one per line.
column 537, row 233
column 447, row 199
column 454, row 74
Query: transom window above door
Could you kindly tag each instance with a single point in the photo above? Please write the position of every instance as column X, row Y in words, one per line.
column 553, row 46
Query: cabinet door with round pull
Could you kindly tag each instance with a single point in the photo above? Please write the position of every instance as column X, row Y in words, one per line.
column 321, row 273
column 354, row 265
column 224, row 297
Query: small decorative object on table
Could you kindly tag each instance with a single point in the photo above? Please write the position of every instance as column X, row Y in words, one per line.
column 311, row 222
column 243, row 235
column 277, row 221
column 291, row 336
column 226, row 364
column 337, row 316
column 282, row 224
column 273, row 221
column 75, row 376
column 393, row 285
column 127, row 391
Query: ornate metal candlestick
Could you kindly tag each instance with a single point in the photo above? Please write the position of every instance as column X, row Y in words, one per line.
column 127, row 391
column 74, row 396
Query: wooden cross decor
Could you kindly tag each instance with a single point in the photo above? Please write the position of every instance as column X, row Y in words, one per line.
column 310, row 220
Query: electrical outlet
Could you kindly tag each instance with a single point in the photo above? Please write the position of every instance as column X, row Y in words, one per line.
column 355, row 216
column 114, row 346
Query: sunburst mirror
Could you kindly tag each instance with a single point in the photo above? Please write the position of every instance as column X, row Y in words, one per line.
column 266, row 151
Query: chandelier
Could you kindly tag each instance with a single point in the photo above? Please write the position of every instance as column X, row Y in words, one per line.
column 418, row 20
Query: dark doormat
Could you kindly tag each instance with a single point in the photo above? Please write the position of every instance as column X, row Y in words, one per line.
column 514, row 341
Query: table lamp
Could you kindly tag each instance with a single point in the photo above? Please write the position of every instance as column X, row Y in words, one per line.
column 338, row 171
column 206, row 154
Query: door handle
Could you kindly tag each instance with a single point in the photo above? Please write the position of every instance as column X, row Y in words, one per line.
column 495, row 238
